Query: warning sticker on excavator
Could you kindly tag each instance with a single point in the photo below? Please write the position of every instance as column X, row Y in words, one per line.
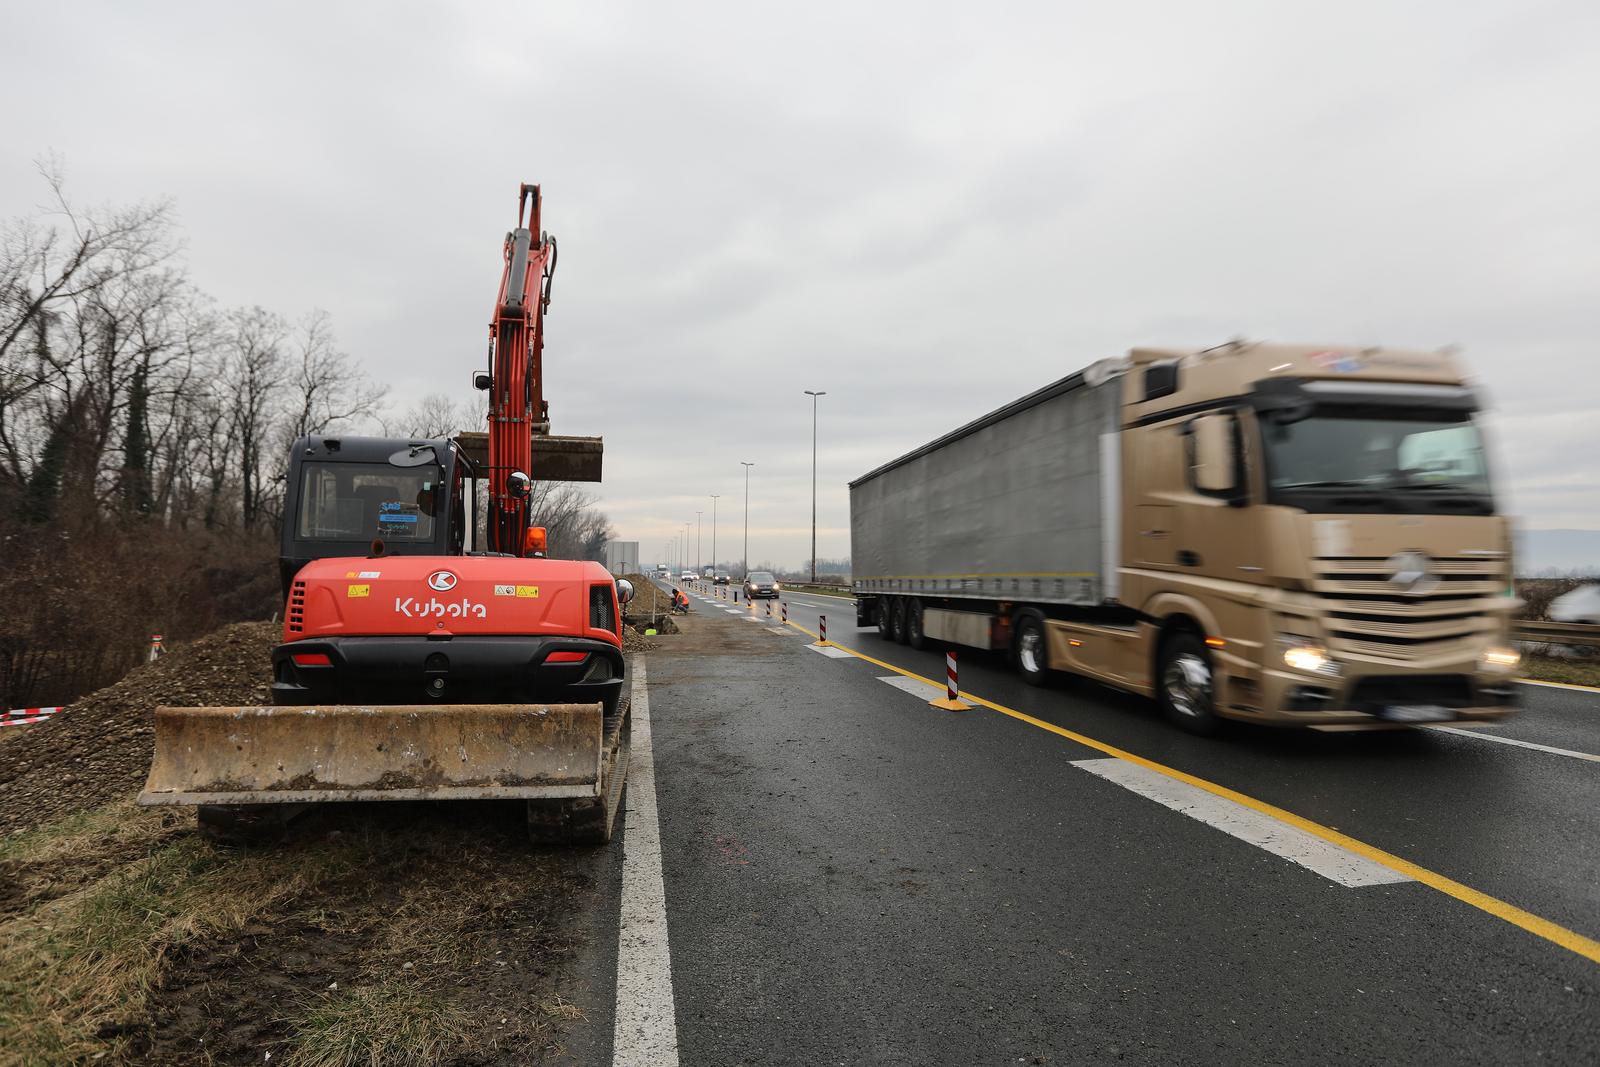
column 528, row 591
column 363, row 574
column 356, row 591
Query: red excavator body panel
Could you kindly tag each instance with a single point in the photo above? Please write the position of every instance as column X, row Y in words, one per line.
column 450, row 595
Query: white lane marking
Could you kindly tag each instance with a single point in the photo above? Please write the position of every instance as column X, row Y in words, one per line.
column 646, row 1033
column 733, row 611
column 830, row 651
column 778, row 630
column 1290, row 842
column 916, row 688
column 751, row 618
column 1500, row 739
column 1560, row 685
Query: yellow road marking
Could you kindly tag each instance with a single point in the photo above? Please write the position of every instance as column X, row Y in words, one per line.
column 1561, row 685
column 1571, row 940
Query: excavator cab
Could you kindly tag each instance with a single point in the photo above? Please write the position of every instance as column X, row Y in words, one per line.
column 357, row 496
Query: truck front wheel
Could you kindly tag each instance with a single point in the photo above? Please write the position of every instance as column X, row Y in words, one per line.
column 1187, row 692
column 1030, row 654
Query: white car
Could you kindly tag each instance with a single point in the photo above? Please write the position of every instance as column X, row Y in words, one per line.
column 1580, row 605
column 689, row 576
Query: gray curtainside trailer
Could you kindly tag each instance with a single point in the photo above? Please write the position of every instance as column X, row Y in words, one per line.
column 1020, row 505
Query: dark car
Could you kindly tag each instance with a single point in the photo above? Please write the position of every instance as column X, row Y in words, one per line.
column 723, row 577
column 761, row 585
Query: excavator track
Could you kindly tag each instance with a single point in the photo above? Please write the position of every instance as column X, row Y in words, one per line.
column 589, row 821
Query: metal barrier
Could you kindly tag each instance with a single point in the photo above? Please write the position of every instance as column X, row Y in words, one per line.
column 1585, row 635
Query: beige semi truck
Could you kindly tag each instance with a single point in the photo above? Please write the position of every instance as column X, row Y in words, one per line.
column 1283, row 534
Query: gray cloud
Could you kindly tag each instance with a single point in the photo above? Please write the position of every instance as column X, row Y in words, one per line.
column 924, row 209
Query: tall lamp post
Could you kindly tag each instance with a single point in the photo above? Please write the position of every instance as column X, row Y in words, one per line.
column 746, row 565
column 813, row 396
column 714, row 497
column 685, row 546
column 699, row 559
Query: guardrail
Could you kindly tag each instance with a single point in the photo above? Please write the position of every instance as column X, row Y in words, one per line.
column 1557, row 633
column 843, row 590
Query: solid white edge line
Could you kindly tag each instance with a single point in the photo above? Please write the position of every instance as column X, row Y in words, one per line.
column 1504, row 740
column 646, row 1031
column 1336, row 864
column 830, row 651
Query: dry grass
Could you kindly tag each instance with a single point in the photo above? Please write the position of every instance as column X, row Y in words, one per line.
column 1566, row 671
column 390, row 1024
column 89, row 958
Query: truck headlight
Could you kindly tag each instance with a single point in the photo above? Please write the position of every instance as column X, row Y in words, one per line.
column 1304, row 654
column 1495, row 658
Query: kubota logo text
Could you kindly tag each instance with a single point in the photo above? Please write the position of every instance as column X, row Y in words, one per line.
column 441, row 581
column 434, row 608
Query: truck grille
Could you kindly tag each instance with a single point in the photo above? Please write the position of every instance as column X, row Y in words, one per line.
column 602, row 614
column 297, row 607
column 1368, row 615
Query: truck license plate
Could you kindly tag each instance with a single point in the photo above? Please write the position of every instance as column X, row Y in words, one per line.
column 1416, row 713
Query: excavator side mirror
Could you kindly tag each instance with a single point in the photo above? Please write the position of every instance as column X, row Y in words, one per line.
column 519, row 485
column 481, row 380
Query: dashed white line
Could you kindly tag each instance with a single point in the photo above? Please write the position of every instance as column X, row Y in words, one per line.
column 831, row 651
column 1290, row 842
column 921, row 690
column 646, row 1031
column 1502, row 740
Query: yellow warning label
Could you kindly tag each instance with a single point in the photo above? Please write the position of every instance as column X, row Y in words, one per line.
column 528, row 591
column 356, row 591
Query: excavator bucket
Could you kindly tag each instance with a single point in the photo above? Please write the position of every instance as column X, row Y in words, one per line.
column 295, row 755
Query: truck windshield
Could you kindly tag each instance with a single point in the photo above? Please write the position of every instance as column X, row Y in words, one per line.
column 361, row 501
column 1362, row 462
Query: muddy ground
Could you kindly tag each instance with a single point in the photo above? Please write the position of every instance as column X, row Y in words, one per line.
column 373, row 933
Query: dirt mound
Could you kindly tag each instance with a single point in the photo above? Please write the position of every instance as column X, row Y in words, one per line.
column 98, row 749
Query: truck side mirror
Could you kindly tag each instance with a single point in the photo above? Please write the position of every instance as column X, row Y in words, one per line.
column 1214, row 465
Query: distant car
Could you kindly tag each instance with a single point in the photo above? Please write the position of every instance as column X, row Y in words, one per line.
column 761, row 585
column 1580, row 605
column 690, row 576
column 723, row 578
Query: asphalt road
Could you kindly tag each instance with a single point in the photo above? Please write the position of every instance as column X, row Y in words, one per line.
column 852, row 876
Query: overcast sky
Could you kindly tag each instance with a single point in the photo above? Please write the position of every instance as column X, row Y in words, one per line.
column 924, row 209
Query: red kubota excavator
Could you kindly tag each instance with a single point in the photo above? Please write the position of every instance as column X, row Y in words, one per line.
column 426, row 656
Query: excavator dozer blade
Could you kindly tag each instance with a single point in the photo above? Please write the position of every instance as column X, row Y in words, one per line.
column 296, row 755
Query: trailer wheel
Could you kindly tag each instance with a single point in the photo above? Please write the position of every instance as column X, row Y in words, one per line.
column 885, row 624
column 897, row 619
column 1030, row 650
column 913, row 629
column 1187, row 690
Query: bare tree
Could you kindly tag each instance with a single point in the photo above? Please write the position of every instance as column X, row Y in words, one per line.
column 327, row 387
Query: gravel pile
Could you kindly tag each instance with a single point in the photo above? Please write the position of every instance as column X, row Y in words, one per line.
column 98, row 749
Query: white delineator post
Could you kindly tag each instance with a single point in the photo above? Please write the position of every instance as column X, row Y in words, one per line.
column 951, row 701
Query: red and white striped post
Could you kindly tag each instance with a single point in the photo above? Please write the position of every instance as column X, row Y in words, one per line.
column 952, row 690
column 769, row 609
column 822, row 628
column 785, row 606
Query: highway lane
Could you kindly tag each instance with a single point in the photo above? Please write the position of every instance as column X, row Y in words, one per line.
column 1519, row 824
column 853, row 877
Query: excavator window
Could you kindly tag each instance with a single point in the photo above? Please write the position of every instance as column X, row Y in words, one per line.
column 361, row 501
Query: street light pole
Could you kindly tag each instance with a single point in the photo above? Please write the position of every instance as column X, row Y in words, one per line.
column 699, row 558
column 746, row 565
column 714, row 497
column 813, row 396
